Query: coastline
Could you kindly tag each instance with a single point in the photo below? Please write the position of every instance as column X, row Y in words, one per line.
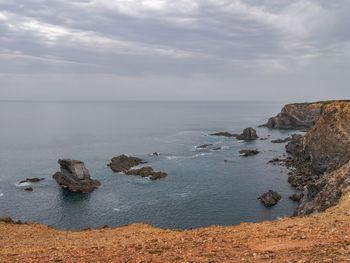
column 323, row 235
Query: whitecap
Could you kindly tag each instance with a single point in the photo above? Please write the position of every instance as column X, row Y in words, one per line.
column 199, row 155
column 22, row 184
column 172, row 157
column 1, row 194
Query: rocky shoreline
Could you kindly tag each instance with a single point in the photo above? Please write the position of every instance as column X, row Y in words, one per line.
column 319, row 165
column 320, row 160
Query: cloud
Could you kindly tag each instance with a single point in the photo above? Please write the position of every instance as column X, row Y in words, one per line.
column 219, row 39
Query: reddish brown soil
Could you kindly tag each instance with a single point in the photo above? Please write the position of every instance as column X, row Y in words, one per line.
column 323, row 237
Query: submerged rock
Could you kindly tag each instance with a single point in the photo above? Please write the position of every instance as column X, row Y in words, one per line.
column 217, row 149
column 248, row 134
column 270, row 198
column 28, row 189
column 124, row 162
column 247, row 153
column 225, row 134
column 282, row 140
column 155, row 154
column 75, row 176
column 32, row 180
column 295, row 197
column 204, row 146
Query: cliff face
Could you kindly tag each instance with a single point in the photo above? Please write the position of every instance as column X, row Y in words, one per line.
column 326, row 149
column 298, row 116
column 326, row 192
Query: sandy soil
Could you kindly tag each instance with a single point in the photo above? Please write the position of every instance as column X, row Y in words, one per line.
column 323, row 237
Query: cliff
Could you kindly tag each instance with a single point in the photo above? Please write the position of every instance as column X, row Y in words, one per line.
column 325, row 149
column 296, row 116
column 323, row 237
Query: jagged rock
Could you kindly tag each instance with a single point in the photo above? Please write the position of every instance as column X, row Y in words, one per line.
column 32, row 180
column 248, row 134
column 298, row 116
column 146, row 172
column 28, row 189
column 295, row 197
column 124, row 162
column 75, row 176
column 270, row 198
column 217, row 149
column 325, row 192
column 225, row 134
column 295, row 146
column 247, row 153
column 282, row 140
column 204, row 146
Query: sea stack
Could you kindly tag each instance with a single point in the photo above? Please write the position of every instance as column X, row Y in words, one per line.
column 248, row 134
column 75, row 176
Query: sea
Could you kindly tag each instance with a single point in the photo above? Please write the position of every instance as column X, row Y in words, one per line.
column 201, row 189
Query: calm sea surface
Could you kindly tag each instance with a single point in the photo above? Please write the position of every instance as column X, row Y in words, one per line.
column 201, row 189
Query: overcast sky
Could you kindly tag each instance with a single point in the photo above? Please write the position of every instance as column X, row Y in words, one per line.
column 172, row 50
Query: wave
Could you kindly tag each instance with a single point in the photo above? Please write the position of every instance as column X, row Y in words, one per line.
column 22, row 184
column 188, row 157
column 1, row 194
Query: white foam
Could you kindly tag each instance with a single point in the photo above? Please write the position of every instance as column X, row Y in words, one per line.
column 188, row 157
column 1, row 194
column 22, row 184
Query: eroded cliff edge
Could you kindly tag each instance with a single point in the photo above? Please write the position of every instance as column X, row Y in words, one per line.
column 320, row 237
column 325, row 149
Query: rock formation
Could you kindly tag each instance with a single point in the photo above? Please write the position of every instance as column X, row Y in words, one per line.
column 321, row 159
column 247, row 153
column 32, row 180
column 248, row 134
column 204, row 146
column 282, row 140
column 225, row 134
column 325, row 192
column 124, row 163
column 269, row 198
column 297, row 116
column 75, row 176
column 146, row 172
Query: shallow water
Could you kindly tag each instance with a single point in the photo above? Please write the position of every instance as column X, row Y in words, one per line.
column 201, row 189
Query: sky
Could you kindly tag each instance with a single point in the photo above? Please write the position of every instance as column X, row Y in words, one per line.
column 285, row 50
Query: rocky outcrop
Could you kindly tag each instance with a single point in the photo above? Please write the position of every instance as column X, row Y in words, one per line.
column 75, row 176
column 204, row 146
column 31, row 180
column 248, row 134
column 247, row 153
column 324, row 193
column 327, row 146
column 298, row 116
column 224, row 134
column 124, row 163
column 321, row 159
column 282, row 140
column 146, row 172
column 270, row 198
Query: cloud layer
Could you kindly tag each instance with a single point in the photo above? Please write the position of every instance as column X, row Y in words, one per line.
column 162, row 49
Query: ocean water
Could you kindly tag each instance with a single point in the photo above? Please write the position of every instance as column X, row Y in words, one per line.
column 200, row 190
